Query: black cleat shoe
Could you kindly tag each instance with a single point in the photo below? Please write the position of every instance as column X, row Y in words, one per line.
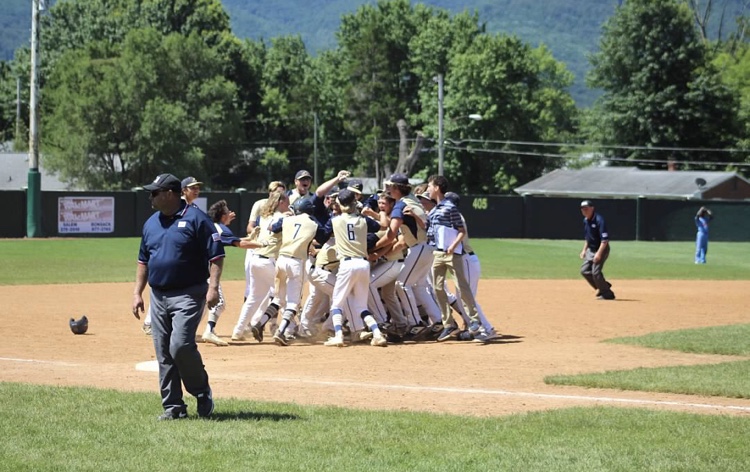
column 205, row 404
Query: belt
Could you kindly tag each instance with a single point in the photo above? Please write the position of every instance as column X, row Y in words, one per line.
column 471, row 253
column 400, row 260
column 262, row 256
column 348, row 258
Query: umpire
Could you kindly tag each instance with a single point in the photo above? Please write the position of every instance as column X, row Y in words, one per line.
column 595, row 251
column 179, row 251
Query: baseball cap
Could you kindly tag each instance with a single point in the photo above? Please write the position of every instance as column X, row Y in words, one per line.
column 164, row 182
column 426, row 196
column 355, row 185
column 399, row 179
column 302, row 174
column 453, row 197
column 190, row 182
column 587, row 203
column 346, row 197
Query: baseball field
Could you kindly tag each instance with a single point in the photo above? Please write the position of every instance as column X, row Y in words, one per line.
column 658, row 379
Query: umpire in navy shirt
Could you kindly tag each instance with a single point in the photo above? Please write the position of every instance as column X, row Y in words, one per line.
column 180, row 250
column 595, row 251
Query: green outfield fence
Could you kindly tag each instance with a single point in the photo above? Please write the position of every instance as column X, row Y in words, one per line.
column 487, row 216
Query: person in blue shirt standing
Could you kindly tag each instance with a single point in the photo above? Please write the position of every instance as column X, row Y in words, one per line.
column 180, row 250
column 595, row 251
column 701, row 239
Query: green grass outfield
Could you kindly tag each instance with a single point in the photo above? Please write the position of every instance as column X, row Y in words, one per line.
column 46, row 261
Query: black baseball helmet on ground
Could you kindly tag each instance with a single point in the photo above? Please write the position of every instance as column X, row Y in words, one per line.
column 303, row 205
column 79, row 326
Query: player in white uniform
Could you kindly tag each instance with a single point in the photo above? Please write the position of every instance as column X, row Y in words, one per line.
column 275, row 186
column 262, row 267
column 222, row 217
column 387, row 264
column 297, row 234
column 412, row 280
column 353, row 277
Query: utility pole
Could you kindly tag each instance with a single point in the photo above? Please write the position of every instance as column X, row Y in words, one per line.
column 34, row 190
column 315, row 148
column 18, row 109
column 441, row 145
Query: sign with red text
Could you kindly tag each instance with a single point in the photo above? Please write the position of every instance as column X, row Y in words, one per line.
column 77, row 215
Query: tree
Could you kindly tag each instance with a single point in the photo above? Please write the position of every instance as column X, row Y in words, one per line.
column 375, row 51
column 522, row 95
column 660, row 89
column 117, row 117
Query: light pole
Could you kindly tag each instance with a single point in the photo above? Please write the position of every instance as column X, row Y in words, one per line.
column 34, row 190
column 441, row 124
column 441, row 145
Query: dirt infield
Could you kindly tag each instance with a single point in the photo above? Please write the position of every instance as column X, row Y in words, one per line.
column 548, row 327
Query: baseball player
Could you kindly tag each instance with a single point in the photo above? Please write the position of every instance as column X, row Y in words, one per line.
column 412, row 280
column 297, row 234
column 302, row 182
column 252, row 221
column 222, row 216
column 350, row 231
column 262, row 266
column 387, row 263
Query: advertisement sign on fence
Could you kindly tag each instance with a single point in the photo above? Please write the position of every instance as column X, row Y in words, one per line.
column 85, row 215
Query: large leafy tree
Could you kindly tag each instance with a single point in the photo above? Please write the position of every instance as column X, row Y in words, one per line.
column 374, row 44
column 522, row 95
column 660, row 89
column 116, row 117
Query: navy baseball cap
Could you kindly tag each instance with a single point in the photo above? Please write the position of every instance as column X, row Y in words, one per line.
column 587, row 203
column 164, row 182
column 355, row 185
column 399, row 179
column 190, row 182
column 346, row 197
column 302, row 174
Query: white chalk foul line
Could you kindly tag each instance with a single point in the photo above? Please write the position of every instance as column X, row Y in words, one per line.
column 507, row 393
column 35, row 361
column 149, row 366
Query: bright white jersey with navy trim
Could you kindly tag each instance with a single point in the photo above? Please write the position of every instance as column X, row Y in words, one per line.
column 297, row 232
column 350, row 231
column 266, row 235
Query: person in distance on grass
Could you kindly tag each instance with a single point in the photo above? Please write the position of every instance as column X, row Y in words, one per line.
column 595, row 251
column 180, row 250
column 701, row 239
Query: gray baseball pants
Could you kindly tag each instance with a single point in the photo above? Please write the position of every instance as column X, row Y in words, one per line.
column 176, row 315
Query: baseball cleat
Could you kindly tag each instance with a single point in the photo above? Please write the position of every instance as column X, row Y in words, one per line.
column 238, row 337
column 448, row 332
column 211, row 337
column 335, row 341
column 378, row 341
column 280, row 339
column 257, row 331
column 365, row 335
